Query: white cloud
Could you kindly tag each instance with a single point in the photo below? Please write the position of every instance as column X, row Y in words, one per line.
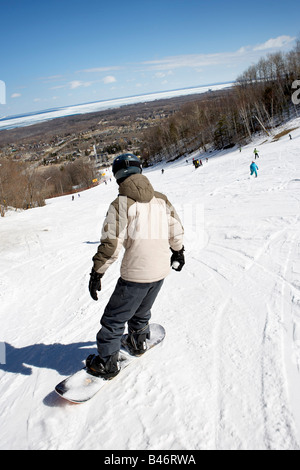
column 100, row 69
column 222, row 58
column 51, row 78
column 16, row 95
column 243, row 49
column 78, row 83
column 189, row 60
column 57, row 87
column 163, row 74
column 109, row 79
column 275, row 43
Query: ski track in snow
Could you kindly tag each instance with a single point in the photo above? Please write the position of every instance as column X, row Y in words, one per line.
column 227, row 375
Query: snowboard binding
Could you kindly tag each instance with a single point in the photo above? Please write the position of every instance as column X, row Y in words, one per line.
column 105, row 369
column 136, row 341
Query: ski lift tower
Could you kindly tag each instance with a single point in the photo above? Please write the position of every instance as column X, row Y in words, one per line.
column 97, row 159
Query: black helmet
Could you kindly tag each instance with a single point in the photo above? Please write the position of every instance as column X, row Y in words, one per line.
column 125, row 165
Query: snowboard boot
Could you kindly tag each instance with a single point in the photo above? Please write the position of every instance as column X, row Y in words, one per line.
column 100, row 368
column 136, row 340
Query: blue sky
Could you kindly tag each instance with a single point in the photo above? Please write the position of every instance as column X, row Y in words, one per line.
column 58, row 53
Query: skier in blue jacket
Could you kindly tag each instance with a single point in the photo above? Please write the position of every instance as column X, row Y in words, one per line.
column 253, row 169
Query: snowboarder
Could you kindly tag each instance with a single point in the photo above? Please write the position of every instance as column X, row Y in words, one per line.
column 255, row 151
column 253, row 169
column 146, row 224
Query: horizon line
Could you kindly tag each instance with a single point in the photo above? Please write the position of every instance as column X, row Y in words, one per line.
column 42, row 111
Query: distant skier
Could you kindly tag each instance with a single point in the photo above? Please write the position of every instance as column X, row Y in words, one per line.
column 253, row 169
column 255, row 151
column 162, row 171
column 146, row 224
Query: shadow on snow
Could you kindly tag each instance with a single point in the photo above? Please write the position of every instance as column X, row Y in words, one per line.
column 64, row 358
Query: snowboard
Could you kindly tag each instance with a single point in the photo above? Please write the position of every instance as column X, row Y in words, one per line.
column 82, row 386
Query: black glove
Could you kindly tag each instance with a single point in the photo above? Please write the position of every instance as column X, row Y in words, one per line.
column 95, row 284
column 177, row 259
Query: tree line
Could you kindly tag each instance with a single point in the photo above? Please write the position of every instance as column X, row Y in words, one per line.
column 24, row 187
column 259, row 100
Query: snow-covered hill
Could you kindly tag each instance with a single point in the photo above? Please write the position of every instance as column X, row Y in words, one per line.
column 227, row 375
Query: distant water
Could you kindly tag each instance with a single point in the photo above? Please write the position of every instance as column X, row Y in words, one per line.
column 23, row 120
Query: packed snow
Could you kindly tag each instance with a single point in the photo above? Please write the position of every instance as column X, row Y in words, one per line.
column 227, row 375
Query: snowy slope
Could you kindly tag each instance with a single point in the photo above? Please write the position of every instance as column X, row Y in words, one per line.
column 228, row 373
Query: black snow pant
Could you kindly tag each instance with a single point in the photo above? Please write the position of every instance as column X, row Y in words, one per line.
column 130, row 302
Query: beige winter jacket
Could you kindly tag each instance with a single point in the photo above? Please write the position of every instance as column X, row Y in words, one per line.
column 145, row 223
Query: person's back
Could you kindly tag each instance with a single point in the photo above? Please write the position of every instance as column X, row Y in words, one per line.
column 143, row 222
column 253, row 169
